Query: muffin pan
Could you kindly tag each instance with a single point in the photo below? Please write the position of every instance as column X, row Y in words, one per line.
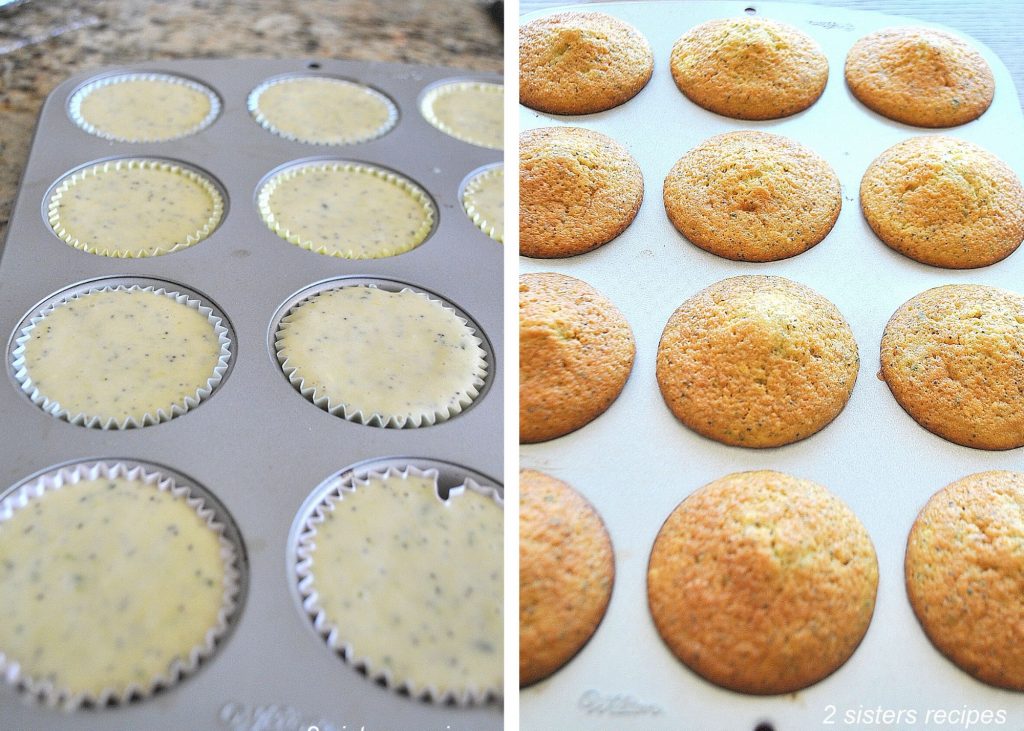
column 255, row 443
column 636, row 462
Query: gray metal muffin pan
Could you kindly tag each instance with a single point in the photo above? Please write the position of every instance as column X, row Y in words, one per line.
column 256, row 444
column 636, row 462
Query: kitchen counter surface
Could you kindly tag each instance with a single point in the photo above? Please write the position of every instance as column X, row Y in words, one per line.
column 45, row 41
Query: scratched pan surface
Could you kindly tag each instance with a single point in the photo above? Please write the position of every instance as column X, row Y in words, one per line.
column 636, row 462
column 257, row 444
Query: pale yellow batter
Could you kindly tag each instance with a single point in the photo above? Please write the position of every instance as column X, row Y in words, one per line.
column 399, row 355
column 105, row 583
column 143, row 108
column 414, row 584
column 468, row 111
column 322, row 110
column 134, row 208
column 484, row 201
column 347, row 210
column 121, row 354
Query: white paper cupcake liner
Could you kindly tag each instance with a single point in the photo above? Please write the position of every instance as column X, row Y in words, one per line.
column 53, row 213
column 338, row 488
column 427, row 107
column 75, row 104
column 475, row 215
column 261, row 119
column 21, row 374
column 51, row 695
column 293, row 237
column 401, row 421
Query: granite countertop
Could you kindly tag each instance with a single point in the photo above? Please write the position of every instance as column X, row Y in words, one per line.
column 45, row 41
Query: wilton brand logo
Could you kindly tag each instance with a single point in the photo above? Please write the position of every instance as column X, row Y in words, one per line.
column 831, row 24
column 595, row 703
column 243, row 717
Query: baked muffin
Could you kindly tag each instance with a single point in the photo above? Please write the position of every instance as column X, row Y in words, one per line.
column 952, row 359
column 749, row 68
column 575, row 354
column 580, row 63
column 965, row 575
column 762, row 583
column 919, row 76
column 752, row 196
column 944, row 202
column 757, row 361
column 566, row 572
column 578, row 189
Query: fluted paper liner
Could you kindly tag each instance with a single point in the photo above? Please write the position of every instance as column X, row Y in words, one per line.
column 190, row 401
column 51, row 695
column 271, row 220
column 475, row 215
column 347, row 483
column 75, row 105
column 202, row 232
column 257, row 114
column 427, row 107
column 400, row 421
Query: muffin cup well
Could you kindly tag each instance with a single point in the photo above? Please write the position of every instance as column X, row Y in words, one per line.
column 254, row 97
column 53, row 214
column 446, row 87
column 348, row 412
column 75, row 103
column 181, row 295
column 270, row 218
column 206, row 507
column 313, row 515
column 472, row 186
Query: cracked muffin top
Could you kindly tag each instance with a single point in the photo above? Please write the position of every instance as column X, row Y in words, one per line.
column 953, row 358
column 919, row 76
column 578, row 190
column 762, row 582
column 944, row 202
column 749, row 68
column 581, row 63
column 575, row 353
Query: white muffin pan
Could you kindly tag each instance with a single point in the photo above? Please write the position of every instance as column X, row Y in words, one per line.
column 256, row 444
column 636, row 462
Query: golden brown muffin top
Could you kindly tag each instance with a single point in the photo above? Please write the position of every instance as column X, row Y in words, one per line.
column 953, row 357
column 752, row 196
column 566, row 572
column 575, row 354
column 581, row 63
column 757, row 361
column 762, row 582
column 578, row 189
column 919, row 76
column 965, row 575
column 749, row 68
column 944, row 202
